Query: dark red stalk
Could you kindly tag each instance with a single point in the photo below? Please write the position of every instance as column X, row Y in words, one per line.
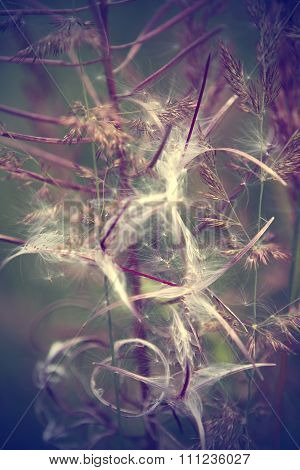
column 186, row 382
column 113, row 225
column 148, row 276
column 157, row 154
column 32, row 116
column 196, row 112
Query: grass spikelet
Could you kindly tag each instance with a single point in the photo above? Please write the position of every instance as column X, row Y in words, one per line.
column 100, row 124
column 235, row 76
column 288, row 161
column 69, row 33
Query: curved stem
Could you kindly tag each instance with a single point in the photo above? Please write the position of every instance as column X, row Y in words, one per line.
column 48, row 157
column 31, row 116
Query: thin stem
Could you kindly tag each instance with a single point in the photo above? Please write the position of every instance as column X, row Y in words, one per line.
column 259, row 216
column 59, row 11
column 196, row 112
column 160, row 29
column 32, row 116
column 157, row 154
column 12, row 240
column 113, row 225
column 112, row 352
column 157, row 75
column 49, row 157
column 26, row 175
column 39, row 61
column 136, row 47
column 186, row 382
column 147, row 276
column 44, row 140
column 85, row 88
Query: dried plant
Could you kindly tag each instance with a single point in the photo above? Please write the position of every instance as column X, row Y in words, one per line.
column 144, row 211
column 100, row 124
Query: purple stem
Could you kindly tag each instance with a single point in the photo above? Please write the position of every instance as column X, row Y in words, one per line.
column 157, row 154
column 32, row 116
column 186, row 382
column 113, row 225
column 196, row 112
column 38, row 61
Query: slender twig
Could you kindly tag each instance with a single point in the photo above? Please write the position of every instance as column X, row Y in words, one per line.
column 113, row 225
column 160, row 29
column 147, row 276
column 197, row 108
column 157, row 154
column 136, row 47
column 187, row 378
column 23, row 174
column 157, row 75
column 12, row 240
column 49, row 157
column 38, row 61
column 32, row 116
